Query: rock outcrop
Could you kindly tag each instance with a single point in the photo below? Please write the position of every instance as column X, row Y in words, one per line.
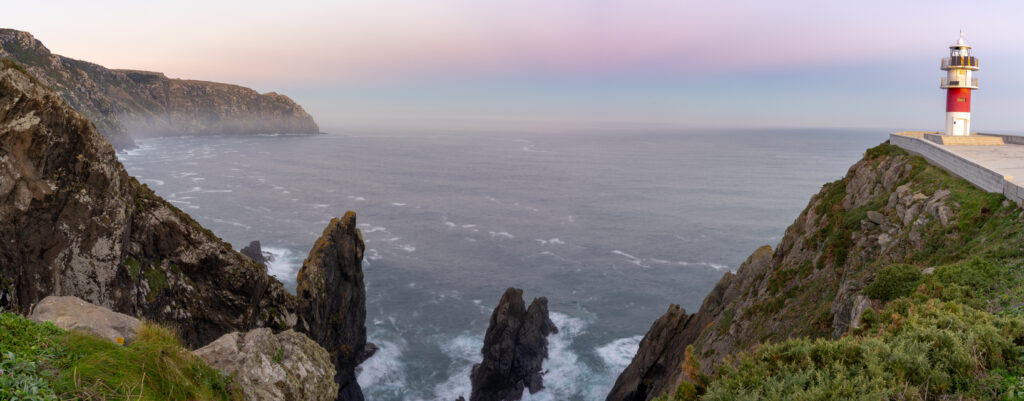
column 255, row 252
column 72, row 313
column 332, row 300
column 271, row 367
column 810, row 286
column 126, row 103
column 514, row 348
column 73, row 222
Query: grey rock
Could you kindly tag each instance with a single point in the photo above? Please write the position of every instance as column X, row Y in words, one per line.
column 332, row 300
column 269, row 367
column 876, row 217
column 515, row 347
column 255, row 252
column 72, row 313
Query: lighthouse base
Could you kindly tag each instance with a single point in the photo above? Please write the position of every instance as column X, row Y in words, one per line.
column 958, row 123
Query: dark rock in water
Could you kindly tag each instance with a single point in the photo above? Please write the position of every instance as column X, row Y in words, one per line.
column 255, row 252
column 73, row 222
column 125, row 103
column 332, row 300
column 514, row 347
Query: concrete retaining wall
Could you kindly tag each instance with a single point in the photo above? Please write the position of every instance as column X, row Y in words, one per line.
column 976, row 174
column 1012, row 139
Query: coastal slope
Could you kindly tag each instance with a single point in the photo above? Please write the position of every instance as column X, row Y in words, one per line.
column 126, row 104
column 894, row 238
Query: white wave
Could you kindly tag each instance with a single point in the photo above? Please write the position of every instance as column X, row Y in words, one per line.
column 464, row 351
column 320, row 205
column 153, row 180
column 384, row 367
column 286, row 263
column 356, row 198
column 565, row 376
column 632, row 259
column 619, row 353
column 553, row 241
column 502, row 234
column 407, row 248
column 450, row 224
column 369, row 228
column 397, row 204
column 468, row 225
column 232, row 223
column 372, row 254
column 197, row 179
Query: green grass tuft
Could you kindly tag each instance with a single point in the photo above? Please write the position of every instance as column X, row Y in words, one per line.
column 48, row 363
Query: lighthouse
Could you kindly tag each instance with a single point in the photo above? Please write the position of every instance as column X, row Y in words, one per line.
column 959, row 83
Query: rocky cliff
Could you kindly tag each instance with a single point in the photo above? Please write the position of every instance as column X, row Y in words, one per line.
column 515, row 346
column 890, row 209
column 126, row 103
column 332, row 300
column 73, row 222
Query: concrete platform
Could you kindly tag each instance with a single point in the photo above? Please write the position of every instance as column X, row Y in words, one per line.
column 967, row 140
column 993, row 168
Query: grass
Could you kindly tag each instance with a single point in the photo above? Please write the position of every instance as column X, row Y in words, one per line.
column 50, row 364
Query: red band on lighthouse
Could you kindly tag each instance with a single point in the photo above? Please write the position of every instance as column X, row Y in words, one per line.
column 958, row 100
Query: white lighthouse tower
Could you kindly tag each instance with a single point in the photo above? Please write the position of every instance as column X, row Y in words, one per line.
column 958, row 84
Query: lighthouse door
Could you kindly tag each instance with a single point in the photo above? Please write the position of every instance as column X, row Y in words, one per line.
column 958, row 126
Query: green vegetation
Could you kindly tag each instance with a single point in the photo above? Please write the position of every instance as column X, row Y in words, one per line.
column 157, row 279
column 893, row 282
column 43, row 362
column 954, row 334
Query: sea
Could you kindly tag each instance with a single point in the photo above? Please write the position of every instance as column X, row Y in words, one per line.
column 611, row 227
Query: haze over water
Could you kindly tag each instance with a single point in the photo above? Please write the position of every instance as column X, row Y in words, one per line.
column 611, row 228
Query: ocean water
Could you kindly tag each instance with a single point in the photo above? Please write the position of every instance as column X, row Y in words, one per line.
column 610, row 227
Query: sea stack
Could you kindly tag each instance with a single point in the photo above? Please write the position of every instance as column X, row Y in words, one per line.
column 514, row 347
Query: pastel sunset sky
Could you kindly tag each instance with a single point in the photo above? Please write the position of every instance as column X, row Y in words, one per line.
column 565, row 64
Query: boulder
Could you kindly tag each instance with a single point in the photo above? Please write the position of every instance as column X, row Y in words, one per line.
column 72, row 313
column 267, row 366
column 514, row 348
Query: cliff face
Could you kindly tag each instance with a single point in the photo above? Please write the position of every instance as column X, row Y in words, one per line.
column 73, row 222
column 883, row 212
column 332, row 300
column 515, row 346
column 125, row 103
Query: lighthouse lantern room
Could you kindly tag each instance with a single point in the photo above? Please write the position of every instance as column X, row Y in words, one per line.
column 959, row 83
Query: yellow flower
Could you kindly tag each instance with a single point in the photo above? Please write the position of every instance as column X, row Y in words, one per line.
column 119, row 340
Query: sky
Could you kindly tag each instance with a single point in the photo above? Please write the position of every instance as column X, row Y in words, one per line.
column 480, row 65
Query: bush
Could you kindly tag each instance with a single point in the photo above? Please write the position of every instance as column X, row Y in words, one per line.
column 923, row 350
column 893, row 281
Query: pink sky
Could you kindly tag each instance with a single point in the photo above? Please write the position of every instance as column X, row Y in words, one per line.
column 280, row 45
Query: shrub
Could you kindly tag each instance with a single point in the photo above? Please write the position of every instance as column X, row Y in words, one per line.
column 893, row 281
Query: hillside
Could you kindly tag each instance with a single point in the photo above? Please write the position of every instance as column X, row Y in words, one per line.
column 898, row 281
column 126, row 104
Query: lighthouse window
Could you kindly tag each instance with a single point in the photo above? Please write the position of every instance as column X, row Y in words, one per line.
column 961, row 99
